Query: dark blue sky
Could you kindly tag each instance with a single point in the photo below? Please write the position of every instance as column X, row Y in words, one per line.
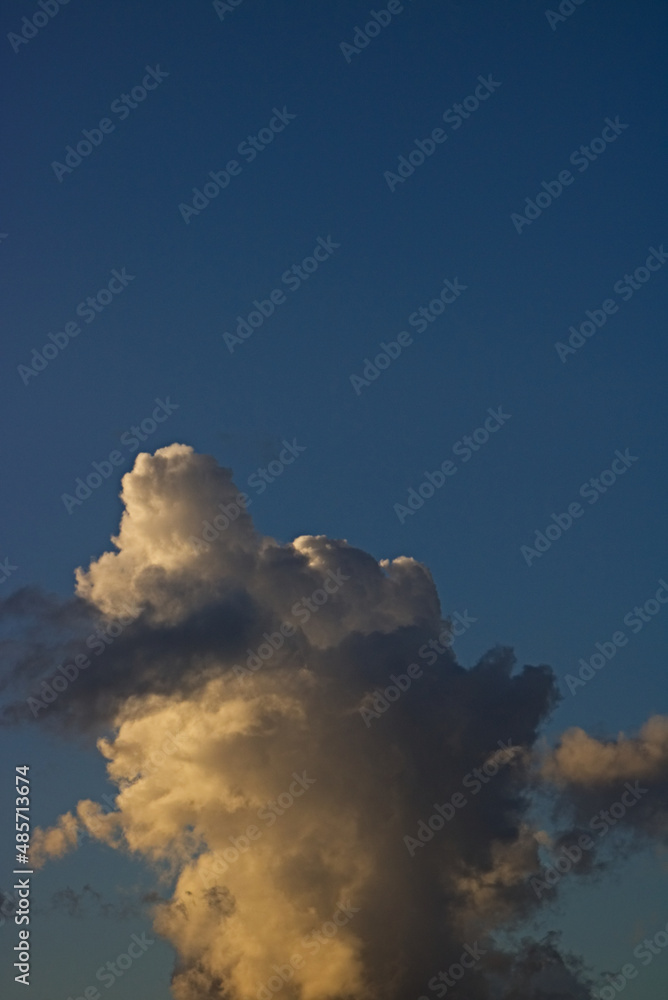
column 321, row 182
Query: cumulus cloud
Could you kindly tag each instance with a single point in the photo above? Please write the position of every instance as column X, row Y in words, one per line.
column 586, row 762
column 281, row 821
column 590, row 774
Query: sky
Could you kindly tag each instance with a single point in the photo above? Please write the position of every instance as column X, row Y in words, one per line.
column 459, row 210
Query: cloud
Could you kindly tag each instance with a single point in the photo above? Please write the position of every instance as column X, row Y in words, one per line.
column 88, row 900
column 283, row 808
column 591, row 774
column 54, row 842
column 586, row 762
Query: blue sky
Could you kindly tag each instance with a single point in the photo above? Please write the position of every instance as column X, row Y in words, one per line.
column 321, row 178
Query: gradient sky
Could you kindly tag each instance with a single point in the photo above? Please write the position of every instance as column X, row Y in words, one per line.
column 323, row 176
